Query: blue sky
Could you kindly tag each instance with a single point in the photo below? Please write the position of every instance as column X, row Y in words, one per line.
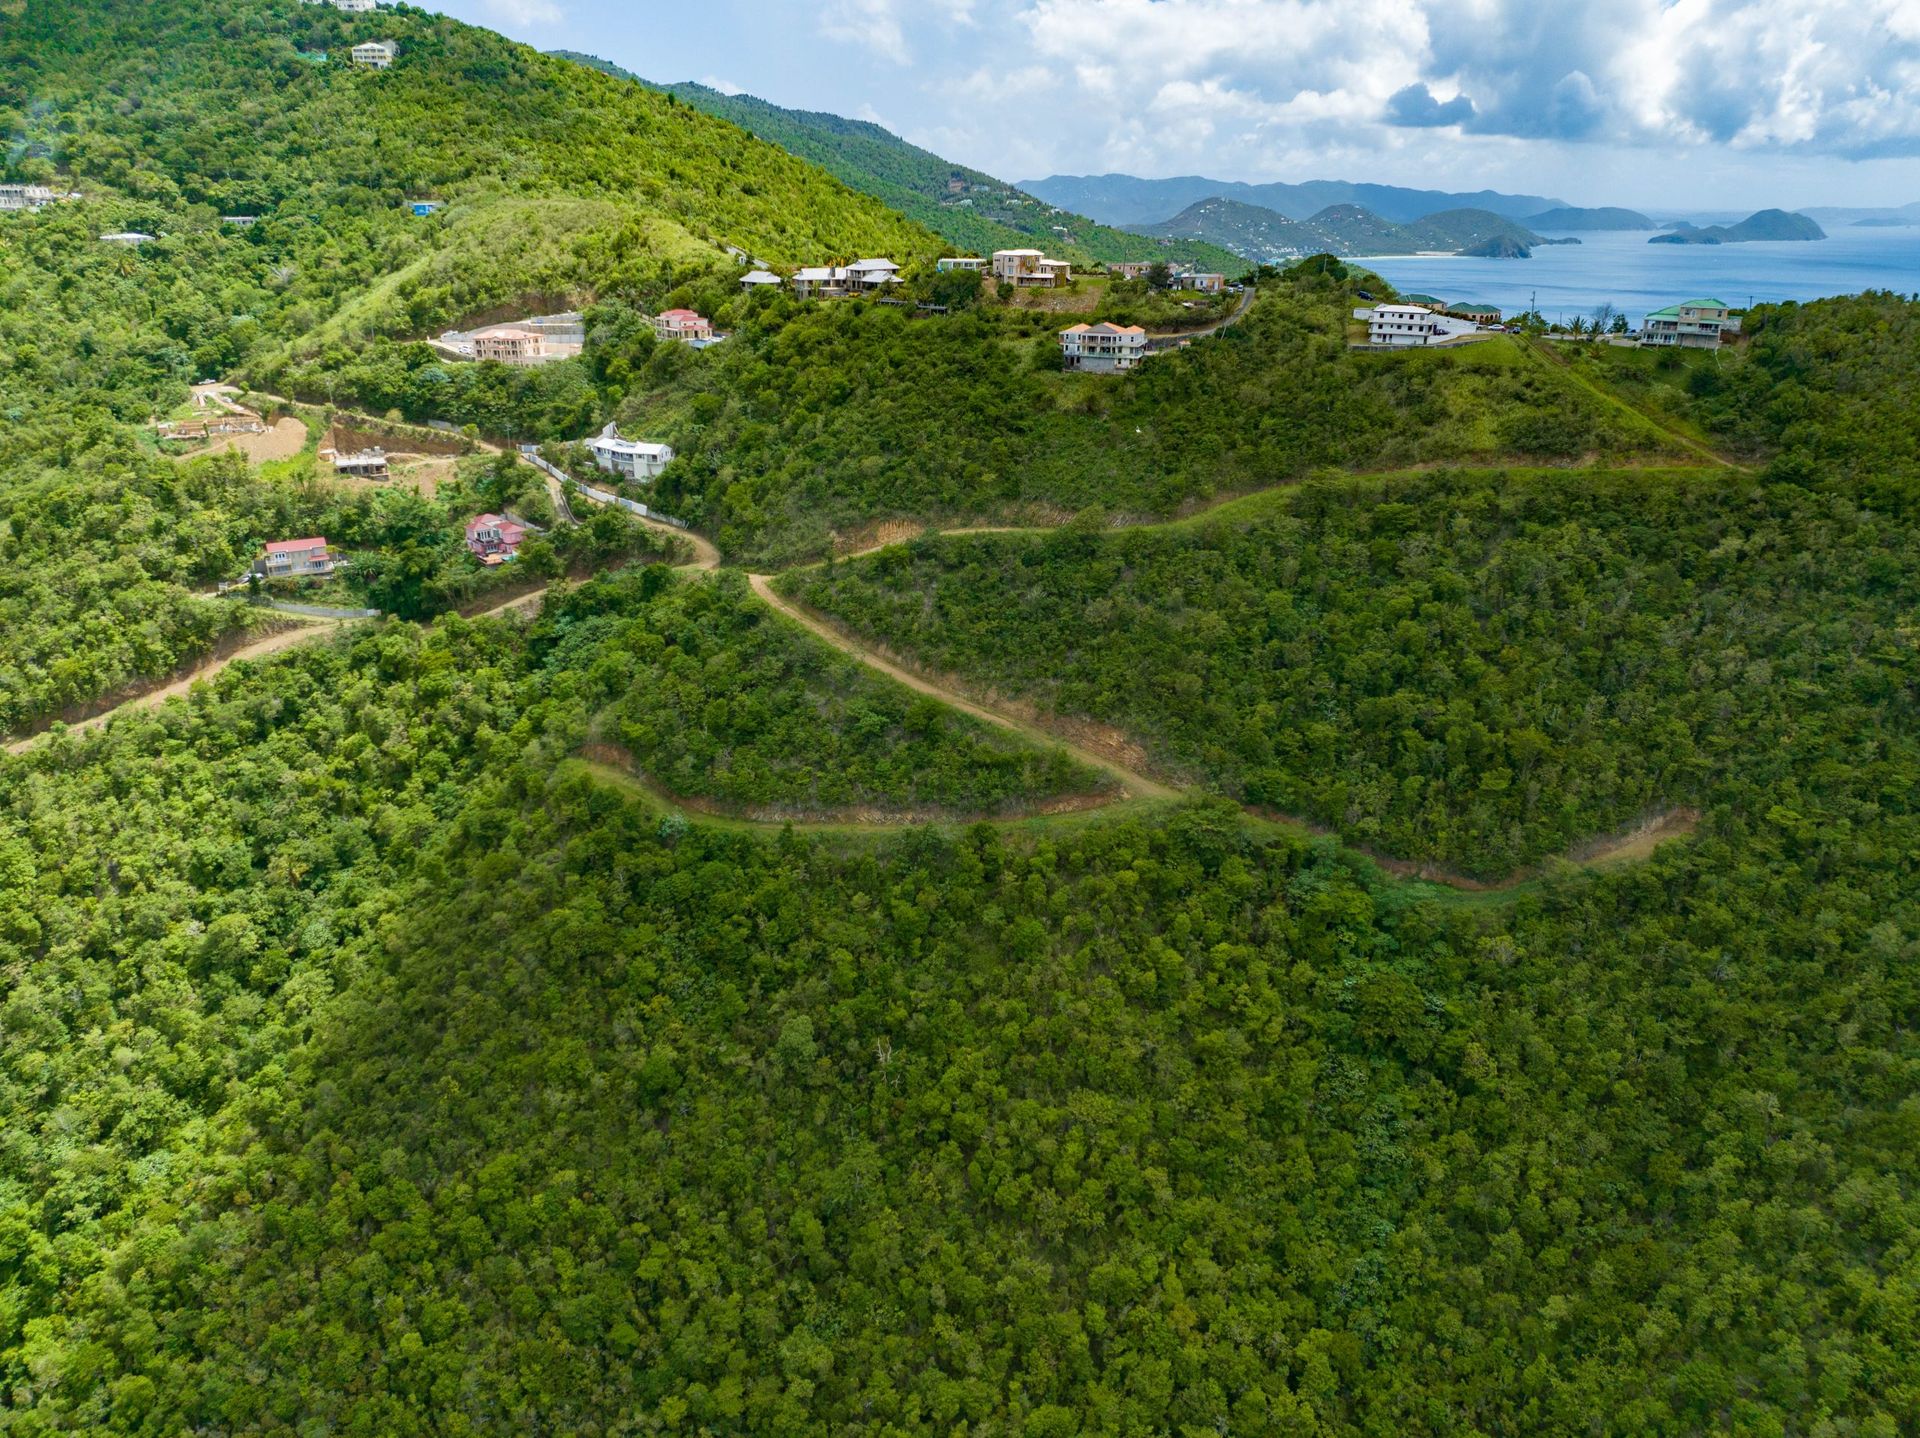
column 1674, row 104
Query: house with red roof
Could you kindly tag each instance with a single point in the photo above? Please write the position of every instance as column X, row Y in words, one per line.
column 685, row 325
column 493, row 538
column 296, row 559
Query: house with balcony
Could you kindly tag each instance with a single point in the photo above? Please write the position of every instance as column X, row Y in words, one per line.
column 494, row 539
column 375, row 54
column 820, row 282
column 510, row 344
column 26, row 197
column 296, row 559
column 960, row 262
column 635, row 459
column 1029, row 269
column 686, row 326
column 1104, row 348
column 1695, row 324
column 865, row 277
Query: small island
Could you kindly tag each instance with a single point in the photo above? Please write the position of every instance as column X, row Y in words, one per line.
column 1762, row 225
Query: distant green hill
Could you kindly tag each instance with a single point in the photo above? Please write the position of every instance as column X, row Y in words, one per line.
column 1761, row 225
column 1604, row 217
column 1257, row 233
column 974, row 211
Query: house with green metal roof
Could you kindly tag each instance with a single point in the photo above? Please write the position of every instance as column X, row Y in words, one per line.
column 1692, row 324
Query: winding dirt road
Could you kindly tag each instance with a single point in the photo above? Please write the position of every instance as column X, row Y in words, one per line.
column 1136, row 784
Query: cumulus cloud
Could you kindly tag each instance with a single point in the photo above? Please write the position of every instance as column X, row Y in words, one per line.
column 1814, row 76
column 1417, row 108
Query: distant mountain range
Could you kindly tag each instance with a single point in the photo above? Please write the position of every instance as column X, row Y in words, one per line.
column 1606, row 217
column 1265, row 235
column 1877, row 215
column 1136, row 203
column 974, row 212
column 1761, row 225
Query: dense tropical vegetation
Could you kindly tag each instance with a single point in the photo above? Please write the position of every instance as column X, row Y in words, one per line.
column 723, row 702
column 376, row 1057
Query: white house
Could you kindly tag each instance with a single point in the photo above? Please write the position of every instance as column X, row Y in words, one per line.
column 1403, row 326
column 1205, row 284
column 363, row 464
column 125, row 237
column 378, row 54
column 1029, row 269
column 1696, row 324
column 240, row 222
column 960, row 262
column 819, row 282
column 633, row 458
column 866, row 276
column 25, row 197
column 1103, row 348
column 760, row 280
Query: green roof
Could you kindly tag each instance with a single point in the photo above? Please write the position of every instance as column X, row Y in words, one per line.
column 1477, row 309
column 1672, row 312
column 1422, row 300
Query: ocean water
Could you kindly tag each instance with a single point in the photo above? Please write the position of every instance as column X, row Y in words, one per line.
column 1621, row 268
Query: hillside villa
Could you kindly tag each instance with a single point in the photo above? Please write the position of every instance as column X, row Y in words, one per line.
column 493, row 539
column 1402, row 326
column 126, row 237
column 1132, row 269
column 829, row 282
column 510, row 344
column 28, row 197
column 1029, row 269
column 960, row 262
column 377, row 54
column 1695, row 324
column 630, row 458
column 295, row 559
column 687, row 326
column 1207, row 284
column 363, row 464
column 1103, row 348
column 761, row 280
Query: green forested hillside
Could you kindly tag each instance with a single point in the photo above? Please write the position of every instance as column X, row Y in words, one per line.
column 559, row 183
column 432, row 1085
column 975, row 213
column 1476, row 668
column 385, row 1050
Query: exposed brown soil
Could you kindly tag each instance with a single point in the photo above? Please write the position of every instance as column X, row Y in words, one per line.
column 244, row 644
column 409, row 439
column 283, row 439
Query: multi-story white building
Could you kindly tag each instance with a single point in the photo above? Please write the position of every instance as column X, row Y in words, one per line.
column 632, row 458
column 1696, row 324
column 377, row 54
column 1029, row 269
column 25, row 197
column 1402, row 326
column 1103, row 348
column 870, row 276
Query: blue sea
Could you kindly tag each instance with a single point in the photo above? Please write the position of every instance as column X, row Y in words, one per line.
column 1620, row 268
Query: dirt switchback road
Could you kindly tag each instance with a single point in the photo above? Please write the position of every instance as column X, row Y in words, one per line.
column 1137, row 784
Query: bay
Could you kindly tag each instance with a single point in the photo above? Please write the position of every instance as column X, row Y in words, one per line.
column 1620, row 268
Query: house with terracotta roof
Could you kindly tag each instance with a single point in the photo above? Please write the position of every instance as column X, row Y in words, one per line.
column 1104, row 348
column 493, row 538
column 510, row 344
column 295, row 559
column 687, row 326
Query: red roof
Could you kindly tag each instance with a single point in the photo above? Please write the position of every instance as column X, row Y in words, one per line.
column 682, row 315
column 290, row 546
